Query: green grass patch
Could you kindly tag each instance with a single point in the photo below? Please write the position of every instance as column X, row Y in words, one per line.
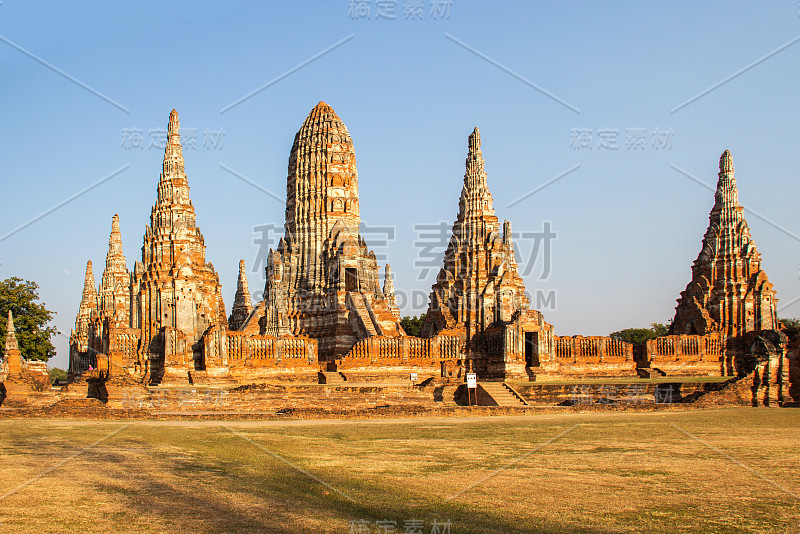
column 552, row 473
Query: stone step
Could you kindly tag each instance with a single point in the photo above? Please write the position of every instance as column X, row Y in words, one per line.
column 445, row 395
column 360, row 307
column 331, row 377
column 502, row 394
column 388, row 323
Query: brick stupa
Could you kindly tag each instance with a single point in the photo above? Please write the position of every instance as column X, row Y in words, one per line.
column 114, row 297
column 729, row 293
column 479, row 285
column 177, row 294
column 13, row 356
column 323, row 281
column 242, row 302
column 479, row 295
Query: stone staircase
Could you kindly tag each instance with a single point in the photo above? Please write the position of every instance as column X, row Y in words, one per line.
column 502, row 394
column 388, row 323
column 445, row 395
column 331, row 378
column 358, row 306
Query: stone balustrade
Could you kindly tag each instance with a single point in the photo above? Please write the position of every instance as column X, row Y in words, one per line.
column 255, row 350
column 405, row 348
column 593, row 348
column 684, row 347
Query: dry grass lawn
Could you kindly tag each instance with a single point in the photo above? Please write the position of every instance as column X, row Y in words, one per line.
column 724, row 470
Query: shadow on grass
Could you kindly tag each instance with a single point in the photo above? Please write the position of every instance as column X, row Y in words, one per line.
column 236, row 489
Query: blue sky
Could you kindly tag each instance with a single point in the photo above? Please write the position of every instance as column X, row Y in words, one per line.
column 410, row 90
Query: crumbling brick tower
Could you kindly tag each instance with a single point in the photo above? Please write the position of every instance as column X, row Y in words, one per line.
column 12, row 357
column 479, row 292
column 728, row 292
column 176, row 293
column 84, row 339
column 242, row 303
column 322, row 281
column 730, row 300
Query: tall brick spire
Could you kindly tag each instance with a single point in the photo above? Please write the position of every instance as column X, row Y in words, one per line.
column 475, row 175
column 727, row 213
column 173, row 217
column 323, row 281
column 174, row 289
column 12, row 352
column 173, row 166
column 89, row 294
column 114, row 292
column 478, row 285
column 388, row 287
column 322, row 190
column 475, row 208
column 11, row 334
column 115, row 259
column 86, row 309
column 242, row 303
column 728, row 293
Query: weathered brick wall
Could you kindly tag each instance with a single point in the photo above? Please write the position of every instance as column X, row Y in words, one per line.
column 259, row 398
column 793, row 357
column 633, row 393
column 587, row 357
column 686, row 355
column 403, row 351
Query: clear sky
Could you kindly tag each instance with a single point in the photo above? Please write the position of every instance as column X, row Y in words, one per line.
column 554, row 87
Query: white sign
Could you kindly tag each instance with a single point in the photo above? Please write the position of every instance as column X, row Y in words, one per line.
column 413, row 377
column 472, row 380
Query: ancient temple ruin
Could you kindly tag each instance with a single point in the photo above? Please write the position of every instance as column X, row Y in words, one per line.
column 726, row 322
column 83, row 345
column 242, row 302
column 480, row 297
column 323, row 281
column 176, row 294
column 12, row 357
column 729, row 293
column 152, row 321
column 114, row 297
column 325, row 310
column 16, row 372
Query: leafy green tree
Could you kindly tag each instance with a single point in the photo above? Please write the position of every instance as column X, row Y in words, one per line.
column 412, row 325
column 659, row 329
column 791, row 323
column 31, row 318
column 57, row 374
column 638, row 336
